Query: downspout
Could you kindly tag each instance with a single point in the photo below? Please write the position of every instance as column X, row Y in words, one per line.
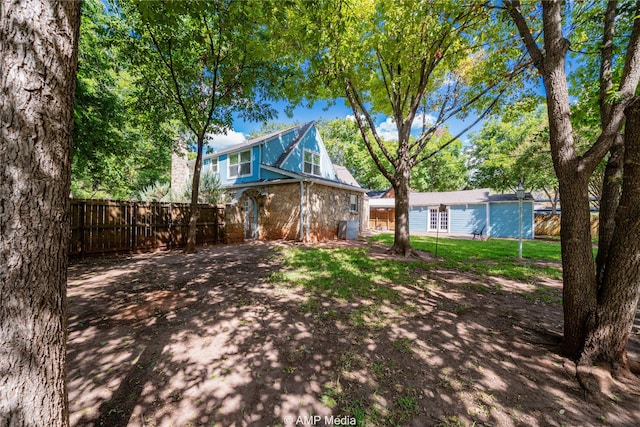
column 308, row 210
column 259, row 162
column 301, row 211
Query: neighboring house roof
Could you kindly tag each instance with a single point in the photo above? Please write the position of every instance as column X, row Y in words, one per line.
column 449, row 198
column 345, row 176
column 376, row 194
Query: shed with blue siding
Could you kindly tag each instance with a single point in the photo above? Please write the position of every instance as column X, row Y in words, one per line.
column 467, row 212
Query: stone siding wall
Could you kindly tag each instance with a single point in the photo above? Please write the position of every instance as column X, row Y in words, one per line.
column 179, row 168
column 279, row 212
column 328, row 206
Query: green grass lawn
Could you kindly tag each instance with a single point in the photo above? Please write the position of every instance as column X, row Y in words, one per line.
column 497, row 257
column 366, row 295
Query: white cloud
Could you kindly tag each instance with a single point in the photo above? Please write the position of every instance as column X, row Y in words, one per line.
column 350, row 117
column 218, row 141
column 388, row 130
column 417, row 121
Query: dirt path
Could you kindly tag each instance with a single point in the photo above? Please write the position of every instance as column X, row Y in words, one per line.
column 206, row 339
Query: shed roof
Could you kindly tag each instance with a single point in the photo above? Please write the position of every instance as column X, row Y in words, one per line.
column 450, row 198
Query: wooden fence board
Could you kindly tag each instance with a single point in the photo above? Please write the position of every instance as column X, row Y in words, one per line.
column 108, row 226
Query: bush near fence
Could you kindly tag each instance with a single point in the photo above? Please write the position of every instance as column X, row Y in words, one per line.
column 549, row 225
column 116, row 226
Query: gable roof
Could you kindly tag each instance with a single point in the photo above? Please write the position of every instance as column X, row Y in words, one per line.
column 253, row 142
column 345, row 176
column 285, row 154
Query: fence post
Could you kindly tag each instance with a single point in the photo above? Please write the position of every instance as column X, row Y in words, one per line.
column 134, row 228
column 170, row 225
column 83, row 218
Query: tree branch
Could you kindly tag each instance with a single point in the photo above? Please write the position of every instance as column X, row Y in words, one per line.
column 174, row 79
column 479, row 118
column 606, row 64
column 513, row 6
column 627, row 89
column 358, row 111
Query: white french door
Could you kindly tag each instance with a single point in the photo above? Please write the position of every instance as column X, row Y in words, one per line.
column 438, row 221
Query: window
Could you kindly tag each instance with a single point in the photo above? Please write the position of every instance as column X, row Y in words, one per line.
column 240, row 164
column 311, row 162
column 353, row 203
column 212, row 164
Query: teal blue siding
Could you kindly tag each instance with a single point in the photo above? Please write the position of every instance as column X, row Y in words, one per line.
column 312, row 142
column 273, row 149
column 465, row 219
column 265, row 174
column 504, row 219
column 418, row 216
column 223, row 168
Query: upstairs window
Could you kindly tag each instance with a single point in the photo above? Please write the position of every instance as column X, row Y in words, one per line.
column 240, row 164
column 311, row 163
column 212, row 164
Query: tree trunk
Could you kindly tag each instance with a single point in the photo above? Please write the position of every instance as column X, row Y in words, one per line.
column 579, row 285
column 195, row 190
column 611, row 191
column 38, row 46
column 401, row 241
column 618, row 298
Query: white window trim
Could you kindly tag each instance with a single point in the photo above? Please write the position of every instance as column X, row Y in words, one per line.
column 217, row 162
column 312, row 164
column 429, row 229
column 357, row 209
column 239, row 153
column 209, row 166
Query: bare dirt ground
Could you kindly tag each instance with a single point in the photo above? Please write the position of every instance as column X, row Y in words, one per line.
column 169, row 339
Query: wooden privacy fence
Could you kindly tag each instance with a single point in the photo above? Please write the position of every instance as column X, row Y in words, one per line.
column 112, row 226
column 549, row 225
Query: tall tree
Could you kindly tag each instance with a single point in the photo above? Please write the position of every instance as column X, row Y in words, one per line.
column 593, row 330
column 203, row 61
column 393, row 58
column 346, row 148
column 38, row 46
column 117, row 150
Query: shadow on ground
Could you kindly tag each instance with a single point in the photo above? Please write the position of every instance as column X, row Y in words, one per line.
column 222, row 338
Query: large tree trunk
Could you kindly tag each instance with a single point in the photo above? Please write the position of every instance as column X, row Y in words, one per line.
column 579, row 286
column 38, row 46
column 401, row 241
column 195, row 191
column 618, row 297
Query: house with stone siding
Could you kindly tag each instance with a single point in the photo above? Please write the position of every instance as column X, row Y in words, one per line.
column 284, row 186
